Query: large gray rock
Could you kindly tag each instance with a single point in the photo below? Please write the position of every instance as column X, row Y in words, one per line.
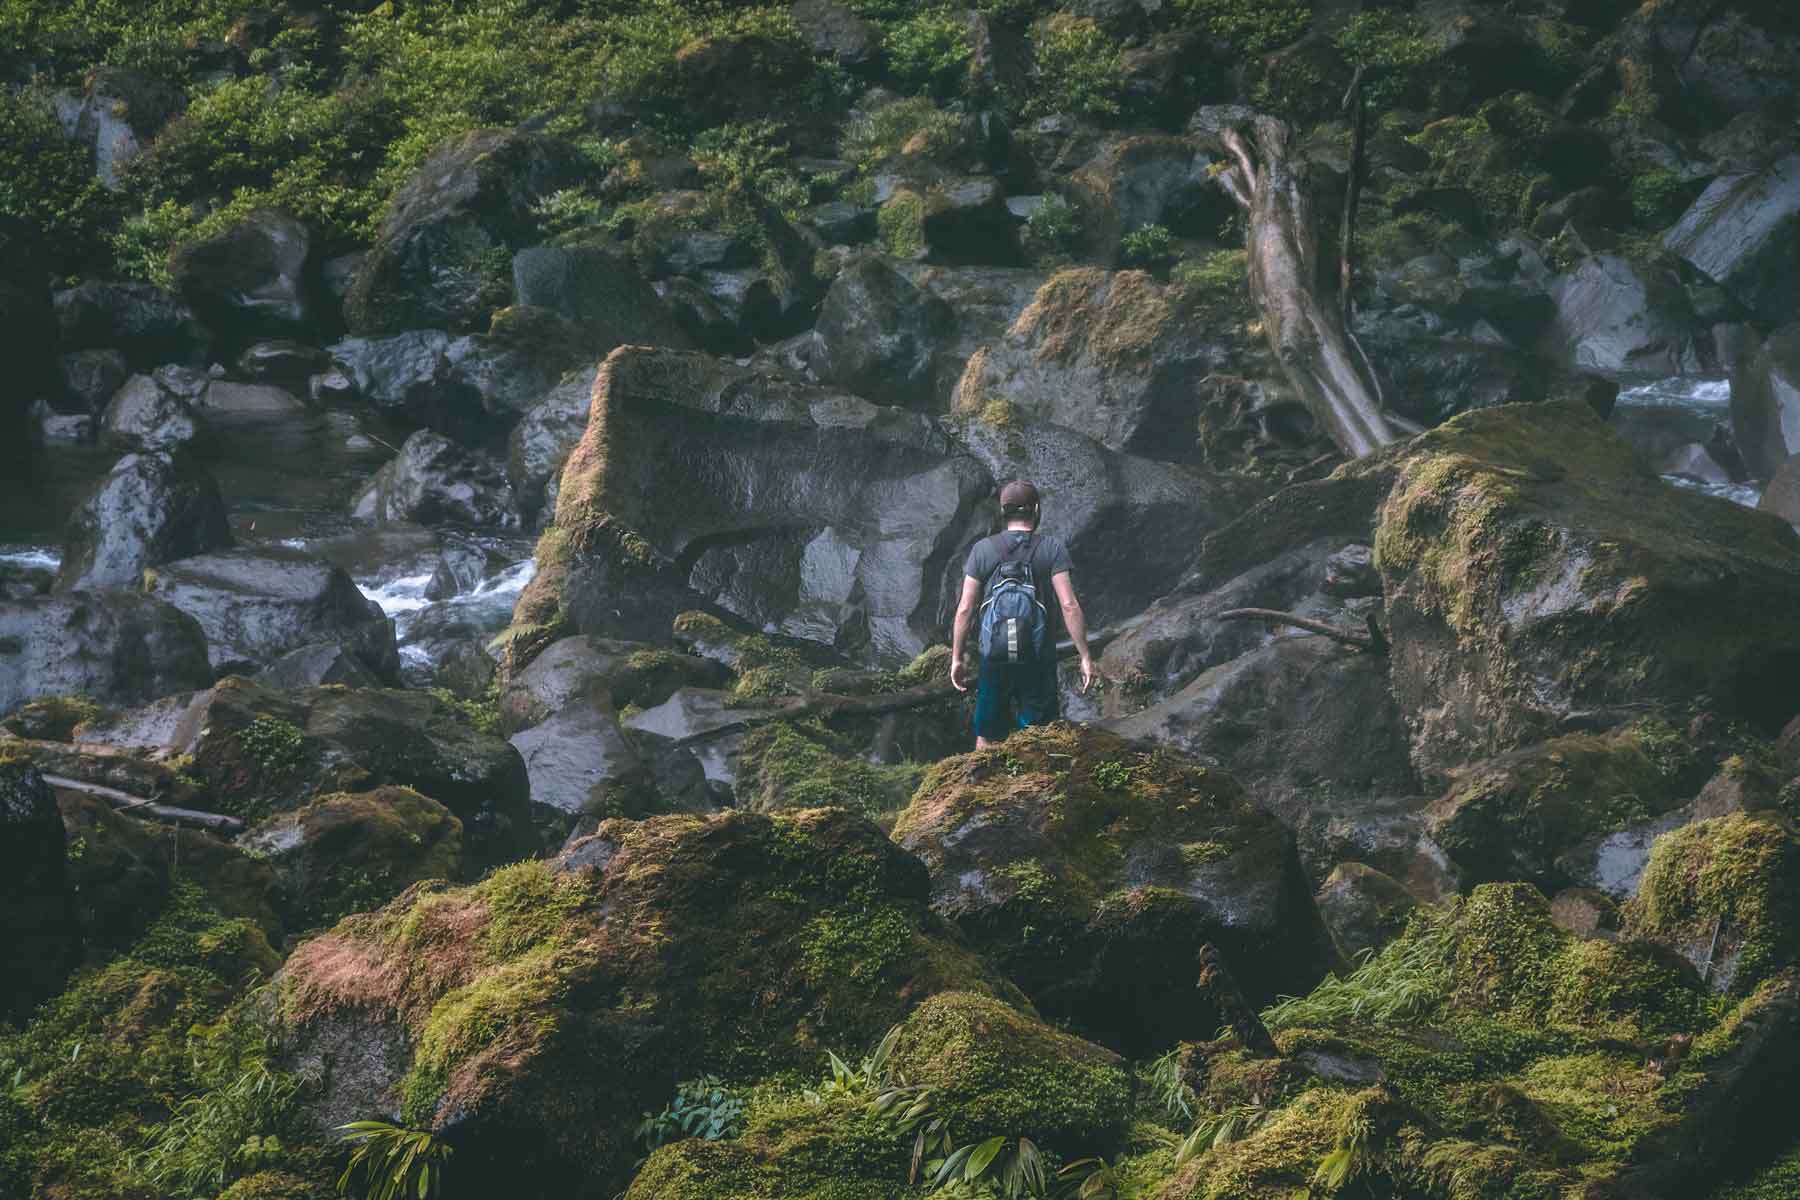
column 143, row 415
column 256, row 604
column 582, row 765
column 1311, row 730
column 604, row 294
column 1744, row 234
column 1113, row 355
column 1613, row 315
column 37, row 904
column 615, row 674
column 1364, row 908
column 1538, row 577
column 834, row 31
column 89, row 378
column 443, row 258
column 250, row 280
column 853, row 512
column 1782, row 496
column 1134, row 180
column 540, row 443
column 880, row 336
column 1765, row 401
column 149, row 325
column 434, row 481
column 398, row 372
column 150, row 509
column 1101, row 502
column 115, row 647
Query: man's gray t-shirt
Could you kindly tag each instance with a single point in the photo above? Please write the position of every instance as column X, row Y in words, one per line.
column 1048, row 557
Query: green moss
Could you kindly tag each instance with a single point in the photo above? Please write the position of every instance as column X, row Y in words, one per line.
column 858, row 945
column 930, row 665
column 53, row 718
column 901, row 224
column 1253, row 26
column 526, row 904
column 913, row 126
column 1778, row 1181
column 1493, row 155
column 789, row 766
column 1739, row 874
column 993, row 1071
column 277, row 746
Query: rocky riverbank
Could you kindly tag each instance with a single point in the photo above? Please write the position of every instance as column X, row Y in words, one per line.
column 482, row 494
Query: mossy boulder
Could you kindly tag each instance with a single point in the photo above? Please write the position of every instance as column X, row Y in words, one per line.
column 258, row 751
column 1114, row 355
column 1487, row 1053
column 736, row 944
column 1093, row 868
column 1513, row 816
column 349, row 852
column 806, row 510
column 1725, row 893
column 1535, row 574
column 995, row 1071
column 791, row 1150
column 443, row 258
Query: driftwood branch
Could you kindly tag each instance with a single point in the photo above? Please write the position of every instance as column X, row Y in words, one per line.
column 1217, row 982
column 1372, row 641
column 129, row 805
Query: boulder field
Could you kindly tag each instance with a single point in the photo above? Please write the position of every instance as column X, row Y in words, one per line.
column 483, row 495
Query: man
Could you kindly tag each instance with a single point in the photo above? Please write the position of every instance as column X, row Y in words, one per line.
column 1007, row 695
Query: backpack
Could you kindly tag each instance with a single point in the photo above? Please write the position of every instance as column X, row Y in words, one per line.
column 1014, row 625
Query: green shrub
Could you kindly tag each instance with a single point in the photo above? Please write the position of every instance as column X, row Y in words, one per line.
column 52, row 209
column 1150, row 247
column 1253, row 26
column 930, row 50
column 1077, row 67
column 1053, row 231
column 702, row 1108
column 914, row 125
column 752, row 156
column 396, row 1163
column 1396, row 47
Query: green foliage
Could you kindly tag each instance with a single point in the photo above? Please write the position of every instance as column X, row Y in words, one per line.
column 1052, row 232
column 71, row 37
column 566, row 211
column 1395, row 47
column 1150, row 246
column 52, row 208
column 1403, row 983
column 785, row 765
column 1252, row 26
column 222, row 1133
column 930, row 50
column 1168, row 1088
column 914, row 126
column 1112, row 775
column 1221, row 1128
column 483, row 715
column 751, row 156
column 702, row 1108
column 277, row 746
column 1657, row 197
column 1077, row 67
column 394, row 1162
column 901, row 224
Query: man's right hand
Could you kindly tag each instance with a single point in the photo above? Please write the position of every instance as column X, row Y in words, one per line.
column 959, row 678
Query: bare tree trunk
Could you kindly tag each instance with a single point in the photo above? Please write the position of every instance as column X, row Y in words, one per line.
column 1306, row 329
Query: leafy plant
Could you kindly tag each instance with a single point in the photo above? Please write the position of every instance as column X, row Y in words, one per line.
column 277, row 745
column 1404, row 982
column 1149, row 246
column 1115, row 776
column 1220, row 1129
column 867, row 1076
column 930, row 49
column 1253, row 26
column 1053, row 229
column 394, row 1161
column 1168, row 1087
column 1090, row 1179
column 221, row 1133
column 1078, row 68
column 702, row 1108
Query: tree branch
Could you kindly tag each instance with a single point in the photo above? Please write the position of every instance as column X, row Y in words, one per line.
column 1372, row 641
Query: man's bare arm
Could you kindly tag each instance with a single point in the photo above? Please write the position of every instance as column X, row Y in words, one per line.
column 1075, row 621
column 959, row 633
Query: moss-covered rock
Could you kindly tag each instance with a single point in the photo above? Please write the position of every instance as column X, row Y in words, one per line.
column 1725, row 893
column 787, row 765
column 259, row 751
column 994, row 1071
column 792, row 1151
column 1511, row 817
column 1534, row 572
column 350, row 852
column 1093, row 868
column 1486, row 1053
column 736, row 944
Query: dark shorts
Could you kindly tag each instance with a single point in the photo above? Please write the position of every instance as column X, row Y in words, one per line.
column 1009, row 697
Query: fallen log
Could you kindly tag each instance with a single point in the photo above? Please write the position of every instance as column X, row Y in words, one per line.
column 143, row 809
column 1373, row 641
